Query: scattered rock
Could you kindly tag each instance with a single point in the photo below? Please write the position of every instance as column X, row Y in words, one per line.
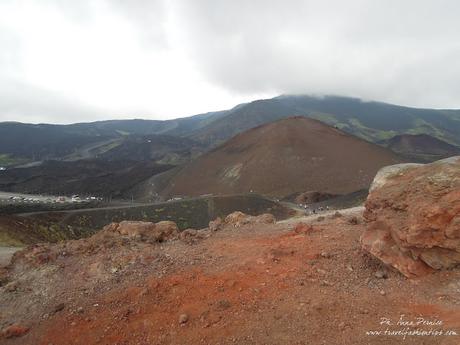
column 165, row 230
column 216, row 224
column 302, row 228
column 238, row 219
column 143, row 231
column 14, row 331
column 266, row 218
column 223, row 304
column 183, row 319
column 413, row 217
column 58, row 307
column 320, row 219
column 336, row 215
column 321, row 271
column 353, row 220
column 380, row 274
column 188, row 235
column 326, row 283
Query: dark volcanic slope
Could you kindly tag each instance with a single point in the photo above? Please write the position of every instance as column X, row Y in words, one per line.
column 283, row 157
column 86, row 177
column 421, row 147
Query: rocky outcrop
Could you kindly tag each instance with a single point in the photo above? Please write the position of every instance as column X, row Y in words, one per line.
column 413, row 217
column 147, row 231
column 14, row 330
column 215, row 224
column 238, row 219
column 114, row 235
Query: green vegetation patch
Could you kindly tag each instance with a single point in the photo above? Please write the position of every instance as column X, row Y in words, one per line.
column 7, row 160
column 7, row 241
column 369, row 134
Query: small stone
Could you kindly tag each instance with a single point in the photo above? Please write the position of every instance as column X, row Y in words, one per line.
column 223, row 304
column 353, row 220
column 303, row 228
column 58, row 307
column 183, row 318
column 14, row 331
column 350, row 268
column 80, row 310
column 337, row 214
column 383, row 293
column 380, row 274
column 326, row 283
column 325, row 255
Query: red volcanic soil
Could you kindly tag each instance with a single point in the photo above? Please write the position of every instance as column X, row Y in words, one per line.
column 287, row 156
column 281, row 283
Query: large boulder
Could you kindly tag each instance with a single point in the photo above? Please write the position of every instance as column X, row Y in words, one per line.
column 146, row 231
column 413, row 217
column 238, row 219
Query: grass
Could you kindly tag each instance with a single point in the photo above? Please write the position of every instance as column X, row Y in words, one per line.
column 370, row 134
column 8, row 241
column 326, row 118
column 7, row 160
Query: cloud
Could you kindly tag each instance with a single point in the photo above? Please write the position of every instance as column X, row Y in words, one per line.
column 33, row 104
column 401, row 51
column 66, row 61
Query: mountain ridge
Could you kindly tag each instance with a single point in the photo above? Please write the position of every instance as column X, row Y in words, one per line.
column 370, row 120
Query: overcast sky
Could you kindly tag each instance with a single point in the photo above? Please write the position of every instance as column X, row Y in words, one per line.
column 67, row 61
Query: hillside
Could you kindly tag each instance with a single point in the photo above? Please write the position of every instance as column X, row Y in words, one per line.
column 85, row 177
column 281, row 158
column 372, row 121
column 256, row 283
column 421, row 147
column 160, row 148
